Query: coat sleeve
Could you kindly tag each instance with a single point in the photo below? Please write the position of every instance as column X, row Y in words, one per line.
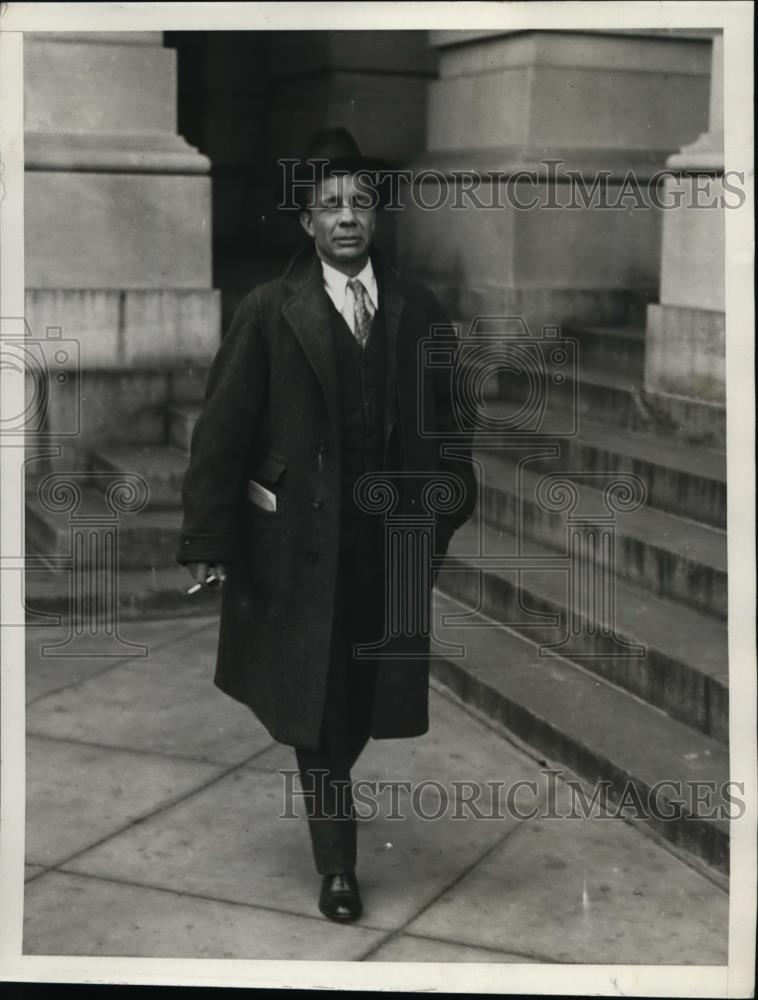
column 222, row 438
column 456, row 439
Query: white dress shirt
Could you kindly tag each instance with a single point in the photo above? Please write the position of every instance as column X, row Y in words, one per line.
column 335, row 283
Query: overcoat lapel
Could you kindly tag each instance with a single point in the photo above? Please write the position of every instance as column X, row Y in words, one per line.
column 307, row 312
column 392, row 305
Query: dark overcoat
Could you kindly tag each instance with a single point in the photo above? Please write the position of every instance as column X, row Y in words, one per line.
column 271, row 413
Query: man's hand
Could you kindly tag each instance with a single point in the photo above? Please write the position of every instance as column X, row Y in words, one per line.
column 208, row 575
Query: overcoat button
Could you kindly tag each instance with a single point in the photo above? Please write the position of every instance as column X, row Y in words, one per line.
column 318, row 503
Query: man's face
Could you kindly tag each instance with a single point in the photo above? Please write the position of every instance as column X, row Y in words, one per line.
column 341, row 223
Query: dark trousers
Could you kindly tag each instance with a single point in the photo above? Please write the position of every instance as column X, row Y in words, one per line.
column 346, row 723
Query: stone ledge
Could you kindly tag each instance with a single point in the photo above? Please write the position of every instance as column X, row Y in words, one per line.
column 112, row 152
column 447, row 38
column 541, row 306
column 98, row 37
column 507, row 161
column 129, row 328
column 483, row 52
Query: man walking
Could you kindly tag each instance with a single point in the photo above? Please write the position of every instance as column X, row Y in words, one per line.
column 319, row 383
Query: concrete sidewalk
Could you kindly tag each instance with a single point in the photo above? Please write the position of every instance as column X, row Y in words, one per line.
column 152, row 831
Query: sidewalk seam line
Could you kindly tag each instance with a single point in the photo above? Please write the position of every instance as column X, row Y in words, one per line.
column 62, row 870
column 137, row 750
column 536, row 756
column 446, row 888
column 117, row 663
column 482, row 947
column 163, row 807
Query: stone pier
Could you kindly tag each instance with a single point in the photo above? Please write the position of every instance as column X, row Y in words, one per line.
column 685, row 349
column 505, row 102
column 118, row 235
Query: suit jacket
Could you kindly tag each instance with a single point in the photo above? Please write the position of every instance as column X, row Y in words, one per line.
column 271, row 414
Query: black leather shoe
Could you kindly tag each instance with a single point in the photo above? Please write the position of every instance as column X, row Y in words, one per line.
column 340, row 897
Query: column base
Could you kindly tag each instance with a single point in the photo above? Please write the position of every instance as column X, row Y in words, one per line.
column 685, row 353
column 113, row 361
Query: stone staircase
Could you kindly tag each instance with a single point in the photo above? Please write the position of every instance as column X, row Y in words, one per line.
column 639, row 719
column 151, row 583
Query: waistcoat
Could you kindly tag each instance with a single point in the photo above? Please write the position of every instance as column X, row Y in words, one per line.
column 361, row 380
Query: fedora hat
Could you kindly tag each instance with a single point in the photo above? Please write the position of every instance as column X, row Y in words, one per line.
column 339, row 148
column 329, row 151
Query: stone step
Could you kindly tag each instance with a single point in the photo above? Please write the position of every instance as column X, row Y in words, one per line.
column 142, row 593
column 181, row 420
column 674, row 557
column 684, row 669
column 108, row 410
column 680, row 478
column 581, row 392
column 619, row 348
column 161, row 466
column 572, row 394
column 574, row 718
column 147, row 540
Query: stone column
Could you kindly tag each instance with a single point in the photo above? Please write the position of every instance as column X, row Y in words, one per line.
column 508, row 101
column 117, row 232
column 374, row 83
column 249, row 97
column 685, row 349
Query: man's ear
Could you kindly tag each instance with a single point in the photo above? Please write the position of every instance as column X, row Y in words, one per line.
column 307, row 222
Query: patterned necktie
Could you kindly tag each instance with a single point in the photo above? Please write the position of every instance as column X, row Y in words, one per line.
column 362, row 316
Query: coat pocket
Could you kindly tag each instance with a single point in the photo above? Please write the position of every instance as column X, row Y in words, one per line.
column 263, row 527
column 261, row 487
column 261, row 497
column 270, row 470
